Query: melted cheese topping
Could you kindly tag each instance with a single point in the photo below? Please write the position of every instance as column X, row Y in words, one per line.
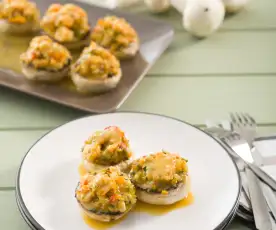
column 163, row 167
column 159, row 172
column 19, row 11
column 106, row 191
column 43, row 53
column 114, row 34
column 96, row 62
column 107, row 147
column 65, row 23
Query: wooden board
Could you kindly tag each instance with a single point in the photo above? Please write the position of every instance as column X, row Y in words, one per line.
column 192, row 99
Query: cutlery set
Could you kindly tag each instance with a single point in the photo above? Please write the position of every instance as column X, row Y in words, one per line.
column 258, row 196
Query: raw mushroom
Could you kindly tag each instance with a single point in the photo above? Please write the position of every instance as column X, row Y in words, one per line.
column 203, row 17
column 233, row 6
column 179, row 5
column 158, row 6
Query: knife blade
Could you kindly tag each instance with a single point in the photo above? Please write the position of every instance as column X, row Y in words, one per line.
column 258, row 202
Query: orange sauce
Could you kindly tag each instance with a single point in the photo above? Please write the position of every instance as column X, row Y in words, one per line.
column 141, row 207
column 158, row 210
column 155, row 210
column 12, row 46
column 98, row 225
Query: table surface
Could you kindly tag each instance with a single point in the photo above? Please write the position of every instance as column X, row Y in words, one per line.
column 233, row 70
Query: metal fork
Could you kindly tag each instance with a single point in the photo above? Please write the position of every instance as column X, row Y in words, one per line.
column 258, row 202
column 245, row 126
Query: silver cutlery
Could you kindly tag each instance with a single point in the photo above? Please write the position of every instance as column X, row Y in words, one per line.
column 264, row 220
column 245, row 126
column 270, row 198
column 258, row 202
column 219, row 133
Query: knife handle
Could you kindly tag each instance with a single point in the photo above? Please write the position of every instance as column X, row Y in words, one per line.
column 258, row 202
column 263, row 176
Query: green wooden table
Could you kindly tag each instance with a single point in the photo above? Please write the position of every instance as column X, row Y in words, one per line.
column 234, row 70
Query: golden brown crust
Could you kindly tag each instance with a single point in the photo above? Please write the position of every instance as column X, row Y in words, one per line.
column 96, row 70
column 45, row 54
column 66, row 24
column 116, row 35
column 107, row 192
column 19, row 16
column 159, row 172
column 45, row 60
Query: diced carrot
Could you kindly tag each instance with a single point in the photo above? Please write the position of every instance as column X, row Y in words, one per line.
column 85, row 188
column 101, row 22
column 120, row 180
column 112, row 198
column 33, row 55
column 55, row 7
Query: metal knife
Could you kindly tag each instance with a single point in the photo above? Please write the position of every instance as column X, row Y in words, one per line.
column 258, row 202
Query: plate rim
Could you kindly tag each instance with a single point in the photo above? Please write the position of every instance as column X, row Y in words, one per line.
column 38, row 226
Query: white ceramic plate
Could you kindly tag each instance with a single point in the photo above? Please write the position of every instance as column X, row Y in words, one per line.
column 49, row 173
column 224, row 225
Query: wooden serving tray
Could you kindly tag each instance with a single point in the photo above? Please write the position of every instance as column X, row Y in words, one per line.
column 155, row 37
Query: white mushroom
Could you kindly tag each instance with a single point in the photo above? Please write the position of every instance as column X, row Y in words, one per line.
column 179, row 5
column 107, row 195
column 116, row 150
column 45, row 60
column 160, row 178
column 96, row 70
column 158, row 6
column 172, row 197
column 203, row 17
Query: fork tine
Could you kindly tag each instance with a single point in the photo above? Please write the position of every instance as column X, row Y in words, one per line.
column 237, row 120
column 247, row 120
column 240, row 118
column 251, row 119
column 234, row 121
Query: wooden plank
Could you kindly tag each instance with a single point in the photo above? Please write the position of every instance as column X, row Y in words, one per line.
column 258, row 15
column 201, row 98
column 193, row 99
column 18, row 110
column 14, row 145
column 10, row 217
column 222, row 53
column 12, row 154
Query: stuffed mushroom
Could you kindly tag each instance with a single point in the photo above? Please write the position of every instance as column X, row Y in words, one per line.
column 107, row 195
column 106, row 148
column 45, row 60
column 96, row 70
column 67, row 24
column 116, row 35
column 160, row 178
column 19, row 16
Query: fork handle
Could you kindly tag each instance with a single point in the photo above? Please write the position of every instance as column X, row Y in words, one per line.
column 263, row 176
